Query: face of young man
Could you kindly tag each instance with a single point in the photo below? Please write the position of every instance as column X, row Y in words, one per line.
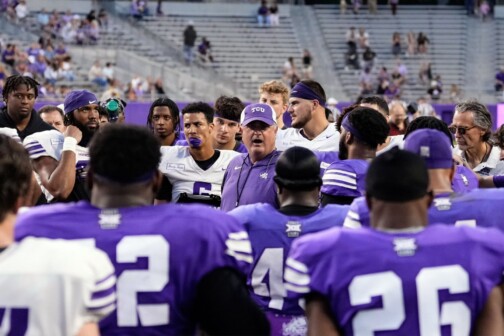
column 224, row 130
column 20, row 102
column 197, row 130
column 162, row 122
column 274, row 100
column 88, row 116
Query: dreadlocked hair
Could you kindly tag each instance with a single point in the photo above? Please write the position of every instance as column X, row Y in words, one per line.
column 14, row 81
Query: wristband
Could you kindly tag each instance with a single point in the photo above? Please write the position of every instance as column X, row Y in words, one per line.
column 70, row 144
column 498, row 180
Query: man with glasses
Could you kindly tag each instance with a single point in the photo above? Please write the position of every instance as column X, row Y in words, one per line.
column 60, row 159
column 18, row 119
column 472, row 128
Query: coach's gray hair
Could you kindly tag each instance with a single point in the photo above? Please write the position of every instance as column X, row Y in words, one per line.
column 482, row 117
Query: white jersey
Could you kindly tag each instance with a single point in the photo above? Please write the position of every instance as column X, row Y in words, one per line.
column 53, row 287
column 186, row 176
column 326, row 141
column 10, row 132
column 395, row 141
column 50, row 143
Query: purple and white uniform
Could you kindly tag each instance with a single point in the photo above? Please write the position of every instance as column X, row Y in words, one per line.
column 271, row 235
column 380, row 283
column 160, row 254
column 345, row 178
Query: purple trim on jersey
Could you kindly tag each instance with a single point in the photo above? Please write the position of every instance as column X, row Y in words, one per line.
column 464, row 180
column 102, row 293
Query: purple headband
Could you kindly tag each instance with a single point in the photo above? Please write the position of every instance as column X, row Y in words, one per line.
column 303, row 91
column 349, row 127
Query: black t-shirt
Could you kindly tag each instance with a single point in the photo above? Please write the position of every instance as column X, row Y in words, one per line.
column 36, row 124
column 297, row 210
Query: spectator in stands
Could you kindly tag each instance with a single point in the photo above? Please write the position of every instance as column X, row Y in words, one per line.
column 472, row 127
column 382, row 86
column 289, row 69
column 351, row 35
column 455, row 94
column 363, row 38
column 51, row 73
column 274, row 15
column 263, row 15
column 393, row 6
column 307, row 64
column 411, row 41
column 396, row 44
column 43, row 17
column 67, row 17
column 435, row 89
column 400, row 74
column 158, row 88
column 275, row 94
column 343, row 6
column 393, row 91
column 21, row 10
column 352, row 56
column 423, row 43
column 61, row 52
column 398, row 120
column 103, row 18
column 96, row 75
column 190, row 36
column 335, row 111
column 356, row 6
column 91, row 15
column 66, row 70
column 499, row 79
column 108, row 72
column 372, row 6
column 368, row 57
column 9, row 55
column 39, row 67
column 54, row 116
column 205, row 51
column 484, row 10
column 136, row 10
column 366, row 82
column 425, row 72
column 159, row 10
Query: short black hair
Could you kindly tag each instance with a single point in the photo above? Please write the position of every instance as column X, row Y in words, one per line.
column 50, row 108
column 298, row 169
column 15, row 174
column 229, row 108
column 397, row 176
column 376, row 100
column 316, row 87
column 343, row 114
column 428, row 122
column 174, row 111
column 370, row 123
column 200, row 107
column 14, row 81
column 124, row 153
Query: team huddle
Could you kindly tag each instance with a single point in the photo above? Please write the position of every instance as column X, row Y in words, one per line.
column 320, row 228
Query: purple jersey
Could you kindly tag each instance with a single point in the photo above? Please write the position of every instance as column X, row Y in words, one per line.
column 271, row 234
column 479, row 207
column 160, row 254
column 249, row 183
column 345, row 178
column 464, row 180
column 432, row 282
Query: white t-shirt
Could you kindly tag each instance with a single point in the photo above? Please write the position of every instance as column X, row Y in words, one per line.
column 10, row 132
column 48, row 287
column 395, row 141
column 186, row 176
column 326, row 141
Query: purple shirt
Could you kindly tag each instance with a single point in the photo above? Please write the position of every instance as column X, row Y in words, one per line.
column 479, row 207
column 464, row 180
column 247, row 183
column 380, row 283
column 160, row 254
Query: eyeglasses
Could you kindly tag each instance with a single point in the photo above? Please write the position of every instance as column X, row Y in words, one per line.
column 461, row 130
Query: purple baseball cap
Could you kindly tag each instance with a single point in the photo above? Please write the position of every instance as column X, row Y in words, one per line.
column 432, row 145
column 261, row 112
column 78, row 99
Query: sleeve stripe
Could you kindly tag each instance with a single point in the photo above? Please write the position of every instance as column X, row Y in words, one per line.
column 103, row 311
column 297, row 289
column 102, row 302
column 103, row 293
column 238, row 256
column 339, row 171
column 298, row 266
column 351, row 223
column 343, row 185
column 31, row 143
column 239, row 246
column 296, row 278
column 36, row 152
column 340, row 178
column 353, row 215
column 238, row 235
column 106, row 280
column 32, row 147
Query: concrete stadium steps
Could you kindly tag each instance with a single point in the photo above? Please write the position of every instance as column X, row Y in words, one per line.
column 242, row 50
column 444, row 26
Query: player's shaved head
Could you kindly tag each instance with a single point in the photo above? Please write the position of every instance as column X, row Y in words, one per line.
column 15, row 174
column 298, row 169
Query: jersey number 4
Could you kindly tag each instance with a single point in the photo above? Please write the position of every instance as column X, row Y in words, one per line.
column 431, row 315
